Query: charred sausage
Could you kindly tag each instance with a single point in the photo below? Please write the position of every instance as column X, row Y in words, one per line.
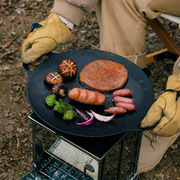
column 122, row 92
column 86, row 96
column 114, row 109
column 122, row 99
column 125, row 105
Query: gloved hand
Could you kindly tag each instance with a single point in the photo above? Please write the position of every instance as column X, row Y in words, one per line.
column 164, row 114
column 45, row 39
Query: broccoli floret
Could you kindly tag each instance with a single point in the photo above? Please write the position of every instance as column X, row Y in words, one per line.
column 61, row 107
column 58, row 107
column 69, row 115
column 51, row 100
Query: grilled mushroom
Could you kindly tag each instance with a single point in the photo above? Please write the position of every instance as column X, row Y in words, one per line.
column 59, row 89
column 53, row 78
column 67, row 68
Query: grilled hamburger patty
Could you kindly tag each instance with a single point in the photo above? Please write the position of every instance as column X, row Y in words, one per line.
column 104, row 75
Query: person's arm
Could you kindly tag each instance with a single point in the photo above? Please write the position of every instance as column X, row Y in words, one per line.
column 55, row 30
column 73, row 10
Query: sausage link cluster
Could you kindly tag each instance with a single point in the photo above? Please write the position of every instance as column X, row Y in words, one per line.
column 122, row 103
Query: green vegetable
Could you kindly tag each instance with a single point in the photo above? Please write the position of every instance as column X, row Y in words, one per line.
column 51, row 100
column 69, row 115
column 61, row 107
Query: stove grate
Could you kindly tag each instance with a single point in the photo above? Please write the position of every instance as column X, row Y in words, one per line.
column 52, row 169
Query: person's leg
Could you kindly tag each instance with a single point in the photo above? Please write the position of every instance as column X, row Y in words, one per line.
column 152, row 151
column 123, row 25
column 122, row 30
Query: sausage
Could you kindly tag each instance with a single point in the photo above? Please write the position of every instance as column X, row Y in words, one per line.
column 86, row 96
column 122, row 92
column 122, row 99
column 114, row 109
column 125, row 105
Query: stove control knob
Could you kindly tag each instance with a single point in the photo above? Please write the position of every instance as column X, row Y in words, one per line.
column 88, row 167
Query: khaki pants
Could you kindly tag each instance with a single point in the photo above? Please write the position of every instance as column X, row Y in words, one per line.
column 123, row 25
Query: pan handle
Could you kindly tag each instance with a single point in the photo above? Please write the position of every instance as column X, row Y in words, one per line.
column 26, row 68
column 30, row 68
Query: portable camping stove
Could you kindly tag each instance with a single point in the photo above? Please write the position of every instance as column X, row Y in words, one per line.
column 63, row 156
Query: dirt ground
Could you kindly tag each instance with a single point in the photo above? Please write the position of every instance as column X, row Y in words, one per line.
column 16, row 18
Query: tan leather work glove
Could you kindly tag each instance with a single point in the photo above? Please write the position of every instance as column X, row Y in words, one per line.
column 164, row 114
column 45, row 39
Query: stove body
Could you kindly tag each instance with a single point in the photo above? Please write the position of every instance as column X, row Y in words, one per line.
column 62, row 156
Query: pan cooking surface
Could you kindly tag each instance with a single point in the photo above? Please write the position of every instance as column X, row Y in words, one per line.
column 38, row 90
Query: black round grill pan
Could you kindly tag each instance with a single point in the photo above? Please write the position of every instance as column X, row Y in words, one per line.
column 138, row 82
